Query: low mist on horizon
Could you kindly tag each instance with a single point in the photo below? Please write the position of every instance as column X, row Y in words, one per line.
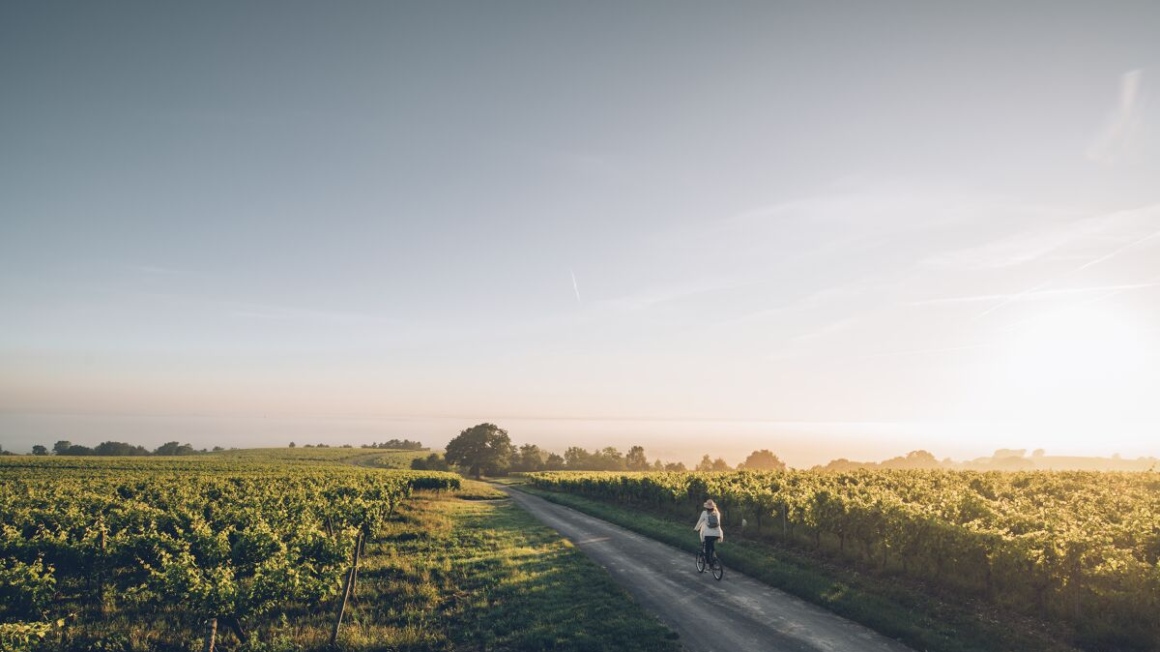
column 828, row 233
column 799, row 445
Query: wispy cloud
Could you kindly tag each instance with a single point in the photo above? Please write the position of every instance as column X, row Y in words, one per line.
column 1124, row 124
column 1089, row 263
column 662, row 294
column 927, row 351
column 1033, row 296
column 1106, row 293
column 286, row 313
column 163, row 271
column 825, row 330
column 1054, row 235
column 1054, row 232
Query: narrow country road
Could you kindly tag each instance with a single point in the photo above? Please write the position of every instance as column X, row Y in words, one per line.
column 737, row 614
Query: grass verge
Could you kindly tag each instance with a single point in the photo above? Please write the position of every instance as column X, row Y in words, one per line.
column 898, row 610
column 482, row 574
column 464, row 570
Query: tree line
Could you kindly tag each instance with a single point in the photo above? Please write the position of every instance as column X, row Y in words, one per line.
column 396, row 445
column 117, row 449
column 487, row 449
column 173, row 448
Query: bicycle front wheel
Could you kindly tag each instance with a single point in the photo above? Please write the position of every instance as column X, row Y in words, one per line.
column 700, row 562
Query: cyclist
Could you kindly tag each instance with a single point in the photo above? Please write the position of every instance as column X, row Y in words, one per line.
column 710, row 535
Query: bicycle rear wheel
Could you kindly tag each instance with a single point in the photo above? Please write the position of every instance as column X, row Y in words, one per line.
column 718, row 569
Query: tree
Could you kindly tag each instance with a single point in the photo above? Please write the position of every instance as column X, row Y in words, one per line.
column 174, row 448
column 577, row 458
column 609, row 459
column 39, row 450
column 707, row 464
column 72, row 449
column 529, row 458
column 762, row 460
column 119, row 449
column 555, row 462
column 924, row 460
column 635, row 460
column 485, row 448
column 433, row 462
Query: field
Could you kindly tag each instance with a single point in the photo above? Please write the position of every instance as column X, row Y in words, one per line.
column 255, row 551
column 270, row 549
column 944, row 560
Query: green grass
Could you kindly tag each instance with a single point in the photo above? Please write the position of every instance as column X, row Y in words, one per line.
column 460, row 570
column 470, row 571
column 899, row 610
column 378, row 458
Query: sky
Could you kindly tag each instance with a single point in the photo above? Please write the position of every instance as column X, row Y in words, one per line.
column 828, row 229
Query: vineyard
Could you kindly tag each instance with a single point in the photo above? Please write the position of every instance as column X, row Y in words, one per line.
column 1081, row 548
column 205, row 540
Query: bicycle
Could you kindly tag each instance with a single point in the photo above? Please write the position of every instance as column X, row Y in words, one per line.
column 715, row 566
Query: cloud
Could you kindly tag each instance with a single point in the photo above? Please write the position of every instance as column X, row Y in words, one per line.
column 928, row 351
column 1089, row 263
column 293, row 314
column 1093, row 239
column 1057, row 250
column 162, row 271
column 1031, row 296
column 1124, row 125
column 825, row 330
column 656, row 295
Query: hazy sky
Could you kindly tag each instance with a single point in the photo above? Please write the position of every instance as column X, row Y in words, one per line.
column 594, row 223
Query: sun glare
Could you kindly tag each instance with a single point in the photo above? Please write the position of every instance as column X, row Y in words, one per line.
column 1086, row 364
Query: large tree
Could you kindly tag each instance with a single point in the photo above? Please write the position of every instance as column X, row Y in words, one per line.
column 762, row 460
column 485, row 448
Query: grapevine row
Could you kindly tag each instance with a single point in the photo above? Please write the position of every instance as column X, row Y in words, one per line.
column 1079, row 546
column 224, row 542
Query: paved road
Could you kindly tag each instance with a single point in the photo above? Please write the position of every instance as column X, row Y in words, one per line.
column 737, row 614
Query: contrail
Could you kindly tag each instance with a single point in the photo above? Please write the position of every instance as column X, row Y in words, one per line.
column 575, row 286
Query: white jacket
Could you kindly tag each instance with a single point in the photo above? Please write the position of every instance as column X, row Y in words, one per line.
column 706, row 531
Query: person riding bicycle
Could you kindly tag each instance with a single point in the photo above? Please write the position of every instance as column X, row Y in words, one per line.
column 710, row 535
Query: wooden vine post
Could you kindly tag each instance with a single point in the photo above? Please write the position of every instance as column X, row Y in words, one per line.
column 210, row 635
column 346, row 588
